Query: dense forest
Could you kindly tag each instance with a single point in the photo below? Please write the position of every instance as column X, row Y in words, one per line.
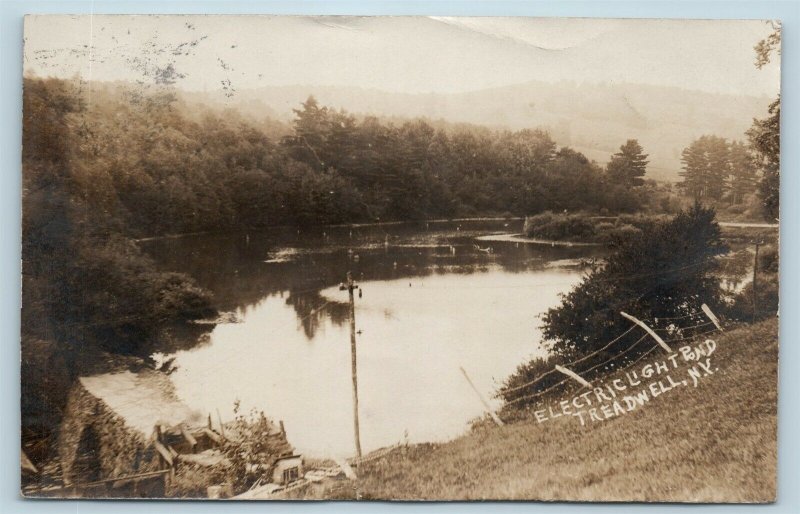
column 157, row 166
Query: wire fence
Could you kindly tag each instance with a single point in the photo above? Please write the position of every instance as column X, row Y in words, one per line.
column 608, row 362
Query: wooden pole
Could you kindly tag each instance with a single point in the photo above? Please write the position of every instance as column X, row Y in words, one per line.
column 482, row 399
column 571, row 374
column 648, row 330
column 221, row 426
column 755, row 274
column 189, row 437
column 711, row 316
column 353, row 365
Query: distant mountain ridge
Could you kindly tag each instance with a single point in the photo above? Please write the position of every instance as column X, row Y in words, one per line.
column 594, row 119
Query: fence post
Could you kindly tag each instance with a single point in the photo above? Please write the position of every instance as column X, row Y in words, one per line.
column 574, row 376
column 755, row 287
column 711, row 316
column 221, row 426
column 482, row 399
column 649, row 331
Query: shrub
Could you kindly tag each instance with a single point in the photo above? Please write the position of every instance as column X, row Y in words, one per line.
column 581, row 227
column 604, row 227
column 670, row 265
column 624, row 232
column 768, row 259
column 193, row 481
column 569, row 227
column 515, row 385
column 614, row 234
column 115, row 297
column 252, row 445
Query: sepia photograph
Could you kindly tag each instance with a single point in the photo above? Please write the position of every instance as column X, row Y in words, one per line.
column 400, row 258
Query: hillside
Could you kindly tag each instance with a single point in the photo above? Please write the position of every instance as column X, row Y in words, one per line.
column 715, row 442
column 592, row 118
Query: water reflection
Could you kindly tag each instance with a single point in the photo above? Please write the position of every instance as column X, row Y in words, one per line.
column 312, row 309
column 431, row 302
column 241, row 269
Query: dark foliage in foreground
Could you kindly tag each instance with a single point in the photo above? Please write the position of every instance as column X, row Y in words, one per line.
column 765, row 134
column 665, row 272
column 85, row 285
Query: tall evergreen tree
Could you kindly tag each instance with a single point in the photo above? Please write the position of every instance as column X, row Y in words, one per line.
column 719, row 166
column 629, row 165
column 311, row 127
column 706, row 166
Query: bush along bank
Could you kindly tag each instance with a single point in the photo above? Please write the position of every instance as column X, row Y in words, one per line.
column 585, row 227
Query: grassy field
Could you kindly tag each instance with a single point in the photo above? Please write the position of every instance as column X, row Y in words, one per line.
column 712, row 443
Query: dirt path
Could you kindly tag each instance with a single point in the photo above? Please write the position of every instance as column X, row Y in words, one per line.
column 736, row 224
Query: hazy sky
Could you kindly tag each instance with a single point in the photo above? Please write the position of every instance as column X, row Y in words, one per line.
column 401, row 54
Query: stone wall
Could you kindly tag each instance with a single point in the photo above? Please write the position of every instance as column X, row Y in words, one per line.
column 122, row 451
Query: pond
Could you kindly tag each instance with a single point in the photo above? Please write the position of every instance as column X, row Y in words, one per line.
column 433, row 297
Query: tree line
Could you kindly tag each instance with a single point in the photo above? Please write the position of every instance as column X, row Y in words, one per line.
column 718, row 171
column 714, row 168
column 156, row 168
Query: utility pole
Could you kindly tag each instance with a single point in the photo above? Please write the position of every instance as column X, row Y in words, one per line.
column 350, row 287
column 755, row 274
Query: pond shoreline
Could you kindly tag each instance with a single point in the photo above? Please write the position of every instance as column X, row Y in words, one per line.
column 335, row 225
column 520, row 238
column 730, row 224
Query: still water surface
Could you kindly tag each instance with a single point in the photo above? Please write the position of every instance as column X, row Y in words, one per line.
column 432, row 302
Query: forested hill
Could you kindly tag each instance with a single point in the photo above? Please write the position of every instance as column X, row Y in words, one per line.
column 590, row 118
column 153, row 163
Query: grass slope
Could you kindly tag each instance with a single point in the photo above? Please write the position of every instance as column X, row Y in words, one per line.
column 713, row 443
